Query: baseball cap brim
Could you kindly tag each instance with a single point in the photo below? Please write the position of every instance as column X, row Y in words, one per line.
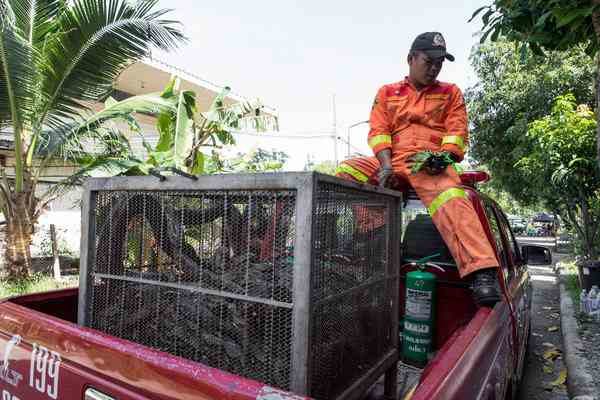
column 437, row 53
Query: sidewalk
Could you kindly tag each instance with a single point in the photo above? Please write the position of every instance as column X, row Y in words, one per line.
column 581, row 338
column 589, row 332
column 545, row 340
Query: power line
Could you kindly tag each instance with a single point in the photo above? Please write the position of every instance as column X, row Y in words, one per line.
column 284, row 136
column 151, row 138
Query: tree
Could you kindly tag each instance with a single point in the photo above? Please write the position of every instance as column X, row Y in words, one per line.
column 256, row 160
column 325, row 167
column 561, row 167
column 512, row 92
column 57, row 58
column 508, row 202
column 184, row 135
column 547, row 25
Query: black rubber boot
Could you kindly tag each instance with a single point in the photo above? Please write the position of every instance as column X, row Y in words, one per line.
column 486, row 291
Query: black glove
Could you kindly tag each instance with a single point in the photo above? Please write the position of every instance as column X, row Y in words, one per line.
column 437, row 163
column 384, row 175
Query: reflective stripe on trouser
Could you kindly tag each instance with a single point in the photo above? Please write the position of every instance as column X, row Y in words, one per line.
column 362, row 170
column 445, row 197
column 356, row 173
column 453, row 213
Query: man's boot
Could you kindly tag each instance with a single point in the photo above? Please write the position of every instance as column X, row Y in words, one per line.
column 486, row 291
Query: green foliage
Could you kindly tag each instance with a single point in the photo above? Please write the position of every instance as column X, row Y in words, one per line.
column 422, row 158
column 35, row 283
column 510, row 94
column 507, row 202
column 561, row 164
column 57, row 60
column 547, row 25
column 184, row 135
column 63, row 247
column 257, row 160
column 57, row 57
column 571, row 273
column 325, row 167
column 563, row 149
column 541, row 24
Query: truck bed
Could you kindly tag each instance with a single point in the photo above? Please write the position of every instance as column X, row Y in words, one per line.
column 52, row 357
column 54, row 351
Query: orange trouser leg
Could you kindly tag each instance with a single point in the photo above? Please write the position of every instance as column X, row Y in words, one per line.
column 455, row 218
column 363, row 170
column 453, row 215
column 359, row 169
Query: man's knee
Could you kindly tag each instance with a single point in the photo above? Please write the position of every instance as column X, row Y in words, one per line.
column 355, row 170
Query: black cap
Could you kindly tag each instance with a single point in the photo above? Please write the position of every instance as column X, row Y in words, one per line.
column 432, row 44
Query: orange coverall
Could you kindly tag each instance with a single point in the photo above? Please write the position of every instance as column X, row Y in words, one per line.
column 407, row 122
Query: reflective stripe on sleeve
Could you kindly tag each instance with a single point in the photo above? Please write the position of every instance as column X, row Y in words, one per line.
column 456, row 140
column 444, row 197
column 358, row 175
column 380, row 139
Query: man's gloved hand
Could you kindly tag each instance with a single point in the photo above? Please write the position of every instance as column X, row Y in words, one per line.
column 436, row 164
column 384, row 176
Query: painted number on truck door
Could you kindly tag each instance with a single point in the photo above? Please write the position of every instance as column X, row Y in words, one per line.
column 7, row 396
column 44, row 370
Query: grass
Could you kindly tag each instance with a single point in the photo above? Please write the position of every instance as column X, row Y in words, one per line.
column 34, row 284
column 572, row 281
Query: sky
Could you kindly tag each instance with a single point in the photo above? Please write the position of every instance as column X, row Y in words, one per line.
column 298, row 56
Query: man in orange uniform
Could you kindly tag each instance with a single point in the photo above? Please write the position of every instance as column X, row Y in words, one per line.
column 418, row 114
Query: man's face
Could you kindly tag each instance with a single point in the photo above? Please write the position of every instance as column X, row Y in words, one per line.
column 424, row 70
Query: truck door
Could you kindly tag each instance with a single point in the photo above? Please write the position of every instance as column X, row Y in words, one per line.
column 519, row 287
column 511, row 277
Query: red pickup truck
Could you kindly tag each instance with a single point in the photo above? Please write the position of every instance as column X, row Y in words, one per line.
column 478, row 352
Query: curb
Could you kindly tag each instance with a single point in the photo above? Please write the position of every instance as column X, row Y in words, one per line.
column 579, row 382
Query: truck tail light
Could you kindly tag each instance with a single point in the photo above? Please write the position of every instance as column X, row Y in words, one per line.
column 93, row 394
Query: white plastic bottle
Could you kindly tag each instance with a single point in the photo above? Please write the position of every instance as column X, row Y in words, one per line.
column 582, row 301
column 594, row 302
column 591, row 299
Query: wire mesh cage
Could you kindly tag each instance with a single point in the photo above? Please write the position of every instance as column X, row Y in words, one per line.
column 284, row 278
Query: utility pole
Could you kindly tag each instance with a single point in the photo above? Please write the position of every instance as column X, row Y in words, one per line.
column 335, row 149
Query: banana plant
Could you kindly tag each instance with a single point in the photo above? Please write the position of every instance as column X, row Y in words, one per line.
column 187, row 137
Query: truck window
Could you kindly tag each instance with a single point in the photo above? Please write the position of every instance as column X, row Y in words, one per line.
column 513, row 249
column 495, row 227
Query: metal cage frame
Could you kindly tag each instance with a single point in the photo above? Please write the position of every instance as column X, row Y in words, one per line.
column 305, row 184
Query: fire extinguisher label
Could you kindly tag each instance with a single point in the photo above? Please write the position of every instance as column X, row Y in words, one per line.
column 418, row 304
column 416, row 328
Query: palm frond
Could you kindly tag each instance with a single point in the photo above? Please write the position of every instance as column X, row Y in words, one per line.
column 7, row 15
column 98, row 40
column 16, row 82
column 34, row 18
column 16, row 76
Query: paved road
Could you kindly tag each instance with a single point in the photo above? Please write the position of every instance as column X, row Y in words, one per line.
column 545, row 315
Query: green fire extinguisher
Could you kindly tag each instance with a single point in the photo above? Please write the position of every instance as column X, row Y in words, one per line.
column 419, row 312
